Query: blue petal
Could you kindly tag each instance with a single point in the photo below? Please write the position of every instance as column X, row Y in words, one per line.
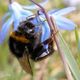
column 16, row 14
column 16, row 24
column 64, row 23
column 5, row 29
column 53, row 11
column 45, row 27
column 15, row 9
column 63, row 11
column 15, row 5
column 45, row 31
column 5, row 17
column 31, row 7
column 21, row 18
column 26, row 12
column 36, row 20
column 17, row 19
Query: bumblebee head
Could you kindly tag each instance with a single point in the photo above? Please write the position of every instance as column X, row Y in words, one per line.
column 26, row 27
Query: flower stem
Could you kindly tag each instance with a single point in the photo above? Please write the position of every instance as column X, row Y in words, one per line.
column 10, row 1
column 66, row 67
column 53, row 26
column 43, row 10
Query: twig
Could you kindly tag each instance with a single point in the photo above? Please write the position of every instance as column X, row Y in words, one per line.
column 66, row 67
column 52, row 26
column 43, row 10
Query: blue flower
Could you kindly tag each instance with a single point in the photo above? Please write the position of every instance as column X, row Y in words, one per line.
column 62, row 22
column 19, row 13
column 16, row 14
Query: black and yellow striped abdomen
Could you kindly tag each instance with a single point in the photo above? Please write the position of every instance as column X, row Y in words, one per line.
column 18, row 37
column 18, row 44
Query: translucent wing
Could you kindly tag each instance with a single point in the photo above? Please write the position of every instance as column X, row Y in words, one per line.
column 25, row 63
column 64, row 23
column 5, row 29
column 31, row 7
column 62, row 11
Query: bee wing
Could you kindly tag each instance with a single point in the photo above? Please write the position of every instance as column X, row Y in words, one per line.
column 25, row 63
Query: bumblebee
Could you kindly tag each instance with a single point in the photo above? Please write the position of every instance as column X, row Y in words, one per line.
column 25, row 44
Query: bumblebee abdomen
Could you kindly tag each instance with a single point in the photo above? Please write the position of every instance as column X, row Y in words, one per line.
column 16, row 47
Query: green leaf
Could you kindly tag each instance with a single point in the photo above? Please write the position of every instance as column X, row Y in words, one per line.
column 69, row 57
column 77, row 39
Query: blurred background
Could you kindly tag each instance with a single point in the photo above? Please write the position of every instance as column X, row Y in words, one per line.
column 52, row 69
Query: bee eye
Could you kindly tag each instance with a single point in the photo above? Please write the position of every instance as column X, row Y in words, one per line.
column 30, row 25
column 26, row 27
